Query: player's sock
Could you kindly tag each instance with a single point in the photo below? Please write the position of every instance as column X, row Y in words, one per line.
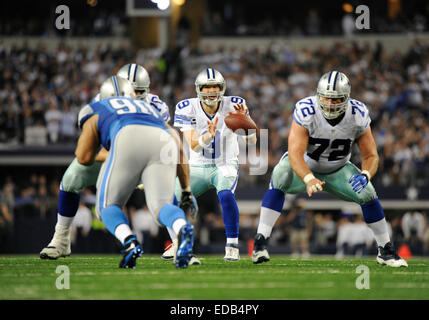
column 230, row 213
column 122, row 232
column 68, row 203
column 271, row 208
column 172, row 217
column 374, row 217
column 171, row 233
column 232, row 240
column 113, row 217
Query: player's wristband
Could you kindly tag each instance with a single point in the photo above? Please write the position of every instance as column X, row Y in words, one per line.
column 308, row 177
column 366, row 173
column 204, row 144
column 187, row 189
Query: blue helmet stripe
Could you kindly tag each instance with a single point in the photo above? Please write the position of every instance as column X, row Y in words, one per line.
column 129, row 71
column 330, row 75
column 335, row 80
column 116, row 85
column 213, row 72
column 135, row 73
column 208, row 73
column 329, row 80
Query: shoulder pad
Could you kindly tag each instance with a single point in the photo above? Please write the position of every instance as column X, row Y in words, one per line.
column 184, row 106
column 360, row 113
column 304, row 111
column 96, row 98
column 236, row 100
column 84, row 113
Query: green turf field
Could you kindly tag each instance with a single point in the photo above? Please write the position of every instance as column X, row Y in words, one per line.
column 98, row 277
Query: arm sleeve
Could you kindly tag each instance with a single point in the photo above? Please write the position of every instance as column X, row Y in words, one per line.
column 184, row 117
column 362, row 118
column 162, row 107
column 304, row 113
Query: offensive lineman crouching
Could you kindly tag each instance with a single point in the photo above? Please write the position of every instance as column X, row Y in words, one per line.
column 323, row 130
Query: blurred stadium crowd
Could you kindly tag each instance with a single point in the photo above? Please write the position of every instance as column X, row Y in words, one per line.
column 41, row 92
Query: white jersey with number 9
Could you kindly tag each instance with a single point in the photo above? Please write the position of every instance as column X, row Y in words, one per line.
column 189, row 114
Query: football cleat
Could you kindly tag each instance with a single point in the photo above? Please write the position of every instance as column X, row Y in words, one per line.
column 60, row 245
column 388, row 256
column 170, row 251
column 232, row 253
column 260, row 253
column 185, row 244
column 131, row 250
column 305, row 255
column 194, row 261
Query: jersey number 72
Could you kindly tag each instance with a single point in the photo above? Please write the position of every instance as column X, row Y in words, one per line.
column 341, row 146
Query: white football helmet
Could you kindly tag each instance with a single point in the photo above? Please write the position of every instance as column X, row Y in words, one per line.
column 116, row 87
column 138, row 76
column 334, row 85
column 208, row 77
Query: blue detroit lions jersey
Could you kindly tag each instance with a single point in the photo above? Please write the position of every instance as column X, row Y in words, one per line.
column 117, row 112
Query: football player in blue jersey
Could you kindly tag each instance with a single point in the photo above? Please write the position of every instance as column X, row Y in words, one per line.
column 323, row 130
column 142, row 147
column 78, row 177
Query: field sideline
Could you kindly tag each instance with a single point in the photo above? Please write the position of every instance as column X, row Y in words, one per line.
column 92, row 277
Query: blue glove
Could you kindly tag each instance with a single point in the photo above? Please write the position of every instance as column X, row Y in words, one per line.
column 358, row 182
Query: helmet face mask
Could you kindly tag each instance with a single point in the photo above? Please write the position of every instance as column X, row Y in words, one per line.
column 209, row 79
column 333, row 86
column 331, row 109
column 141, row 93
column 209, row 96
column 139, row 78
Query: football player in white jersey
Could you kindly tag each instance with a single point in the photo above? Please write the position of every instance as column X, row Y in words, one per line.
column 323, row 130
column 78, row 176
column 213, row 147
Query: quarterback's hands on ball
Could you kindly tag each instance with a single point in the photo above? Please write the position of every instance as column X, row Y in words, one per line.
column 358, row 182
column 314, row 185
column 239, row 108
column 189, row 204
column 212, row 127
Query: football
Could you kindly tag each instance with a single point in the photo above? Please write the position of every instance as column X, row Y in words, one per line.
column 236, row 121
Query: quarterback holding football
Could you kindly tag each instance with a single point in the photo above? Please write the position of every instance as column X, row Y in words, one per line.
column 214, row 147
